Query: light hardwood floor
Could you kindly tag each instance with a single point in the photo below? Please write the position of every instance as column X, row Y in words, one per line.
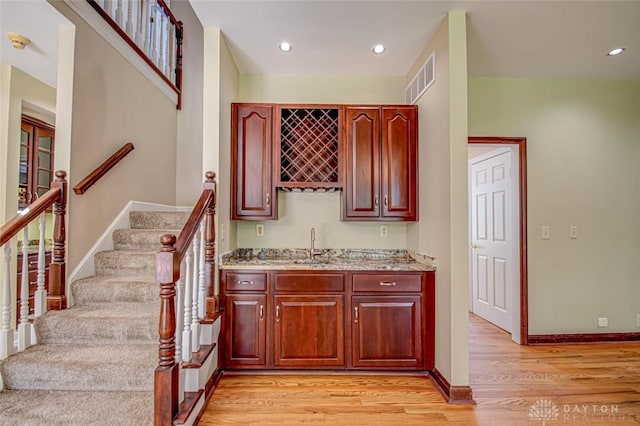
column 587, row 384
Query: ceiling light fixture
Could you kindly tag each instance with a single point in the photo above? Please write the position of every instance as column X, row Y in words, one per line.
column 378, row 48
column 284, row 46
column 616, row 51
column 18, row 41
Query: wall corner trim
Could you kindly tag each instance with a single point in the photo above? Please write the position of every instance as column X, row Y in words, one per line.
column 452, row 394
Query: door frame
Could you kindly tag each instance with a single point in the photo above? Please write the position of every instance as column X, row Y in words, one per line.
column 521, row 143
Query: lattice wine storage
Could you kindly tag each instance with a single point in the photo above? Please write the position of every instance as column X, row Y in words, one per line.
column 309, row 148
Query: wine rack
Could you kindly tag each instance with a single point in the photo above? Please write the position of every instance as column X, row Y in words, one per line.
column 309, row 148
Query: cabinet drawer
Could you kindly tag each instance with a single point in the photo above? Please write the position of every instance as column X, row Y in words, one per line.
column 309, row 282
column 246, row 281
column 387, row 283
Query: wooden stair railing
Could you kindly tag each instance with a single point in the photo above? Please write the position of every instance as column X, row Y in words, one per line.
column 152, row 31
column 93, row 177
column 53, row 299
column 191, row 293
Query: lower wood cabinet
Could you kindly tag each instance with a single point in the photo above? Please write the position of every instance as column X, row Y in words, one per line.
column 328, row 320
column 246, row 330
column 309, row 331
column 386, row 332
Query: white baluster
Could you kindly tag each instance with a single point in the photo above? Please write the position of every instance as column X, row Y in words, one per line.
column 186, row 332
column 142, row 34
column 108, row 7
column 172, row 54
column 179, row 317
column 202, row 290
column 161, row 44
column 195, row 323
column 130, row 20
column 167, row 47
column 153, row 51
column 40, row 297
column 120, row 15
column 6, row 333
column 24, row 328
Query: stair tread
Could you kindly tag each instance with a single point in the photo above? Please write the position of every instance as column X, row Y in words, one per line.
column 122, row 310
column 42, row 407
column 86, row 355
column 112, row 278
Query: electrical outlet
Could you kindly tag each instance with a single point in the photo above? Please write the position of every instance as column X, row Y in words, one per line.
column 259, row 230
column 546, row 232
column 384, row 230
column 603, row 322
column 638, row 320
column 573, row 232
column 222, row 232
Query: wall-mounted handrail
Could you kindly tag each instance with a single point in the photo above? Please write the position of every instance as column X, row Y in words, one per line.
column 152, row 31
column 192, row 296
column 86, row 183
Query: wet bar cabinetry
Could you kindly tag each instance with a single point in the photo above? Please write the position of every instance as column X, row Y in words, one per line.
column 319, row 319
column 368, row 152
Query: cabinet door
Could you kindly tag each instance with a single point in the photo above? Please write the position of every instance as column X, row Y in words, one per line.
column 386, row 332
column 252, row 190
column 36, row 160
column 399, row 159
column 245, row 318
column 362, row 163
column 309, row 331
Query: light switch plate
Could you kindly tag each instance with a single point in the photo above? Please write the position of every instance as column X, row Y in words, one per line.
column 573, row 232
column 259, row 230
column 546, row 232
column 603, row 322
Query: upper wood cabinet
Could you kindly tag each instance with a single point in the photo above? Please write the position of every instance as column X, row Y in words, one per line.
column 380, row 164
column 252, row 188
column 36, row 160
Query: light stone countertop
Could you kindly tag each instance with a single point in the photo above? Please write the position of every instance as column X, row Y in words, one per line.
column 328, row 260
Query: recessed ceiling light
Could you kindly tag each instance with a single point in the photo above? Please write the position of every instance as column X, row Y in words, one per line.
column 284, row 46
column 616, row 51
column 378, row 48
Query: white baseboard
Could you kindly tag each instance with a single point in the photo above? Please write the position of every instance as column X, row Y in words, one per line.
column 86, row 267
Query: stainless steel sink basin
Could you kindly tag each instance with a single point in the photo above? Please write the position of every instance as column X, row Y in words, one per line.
column 310, row 261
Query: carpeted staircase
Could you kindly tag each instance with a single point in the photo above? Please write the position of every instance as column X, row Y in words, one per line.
column 94, row 362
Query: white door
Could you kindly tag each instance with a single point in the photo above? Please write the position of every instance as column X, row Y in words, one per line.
column 492, row 239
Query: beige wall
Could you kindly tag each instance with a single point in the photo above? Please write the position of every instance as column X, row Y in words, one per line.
column 299, row 212
column 113, row 104
column 583, row 169
column 442, row 230
column 189, row 176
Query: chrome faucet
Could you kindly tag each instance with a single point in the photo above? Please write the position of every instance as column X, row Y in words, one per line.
column 313, row 252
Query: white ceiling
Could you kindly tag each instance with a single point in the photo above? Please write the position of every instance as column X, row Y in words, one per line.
column 518, row 38
column 39, row 22
column 558, row 39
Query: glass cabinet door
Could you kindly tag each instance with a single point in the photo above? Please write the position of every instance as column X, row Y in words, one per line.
column 36, row 160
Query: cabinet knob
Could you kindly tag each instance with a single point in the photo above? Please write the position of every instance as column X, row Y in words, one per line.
column 268, row 199
column 277, row 313
column 245, row 282
column 261, row 312
column 355, row 314
column 388, row 283
column 386, row 201
column 375, row 201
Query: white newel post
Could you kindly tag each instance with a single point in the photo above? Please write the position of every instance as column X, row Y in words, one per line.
column 195, row 323
column 186, row 332
column 6, row 333
column 24, row 328
column 40, row 297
